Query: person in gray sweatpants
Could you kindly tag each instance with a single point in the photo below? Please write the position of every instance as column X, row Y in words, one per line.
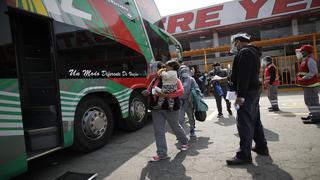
column 188, row 83
column 159, row 118
column 164, row 113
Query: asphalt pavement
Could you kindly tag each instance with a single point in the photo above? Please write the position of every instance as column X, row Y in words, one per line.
column 294, row 148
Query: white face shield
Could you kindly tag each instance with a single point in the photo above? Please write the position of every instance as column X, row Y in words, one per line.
column 299, row 55
column 233, row 47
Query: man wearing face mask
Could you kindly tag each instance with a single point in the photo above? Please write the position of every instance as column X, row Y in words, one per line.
column 308, row 79
column 271, row 81
column 246, row 83
column 218, row 71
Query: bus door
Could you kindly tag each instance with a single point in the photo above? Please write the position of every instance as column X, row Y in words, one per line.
column 37, row 76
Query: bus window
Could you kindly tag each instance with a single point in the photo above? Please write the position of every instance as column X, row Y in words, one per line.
column 83, row 54
column 7, row 54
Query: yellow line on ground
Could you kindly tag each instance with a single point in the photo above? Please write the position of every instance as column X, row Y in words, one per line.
column 286, row 113
column 212, row 115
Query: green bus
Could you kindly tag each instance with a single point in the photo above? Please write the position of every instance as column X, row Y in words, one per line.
column 70, row 71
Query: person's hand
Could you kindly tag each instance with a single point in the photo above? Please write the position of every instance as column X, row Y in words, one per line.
column 163, row 95
column 145, row 93
column 239, row 101
column 160, row 71
column 300, row 79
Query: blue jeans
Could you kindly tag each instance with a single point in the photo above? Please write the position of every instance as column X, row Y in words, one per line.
column 159, row 118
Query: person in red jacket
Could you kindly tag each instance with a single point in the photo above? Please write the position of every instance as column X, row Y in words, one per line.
column 308, row 79
column 271, row 82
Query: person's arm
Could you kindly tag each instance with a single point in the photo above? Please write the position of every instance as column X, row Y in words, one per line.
column 272, row 72
column 313, row 69
column 244, row 70
column 178, row 92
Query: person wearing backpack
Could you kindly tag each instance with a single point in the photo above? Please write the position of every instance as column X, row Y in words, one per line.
column 188, row 83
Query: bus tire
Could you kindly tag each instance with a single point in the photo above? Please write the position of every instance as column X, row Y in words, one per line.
column 138, row 112
column 93, row 124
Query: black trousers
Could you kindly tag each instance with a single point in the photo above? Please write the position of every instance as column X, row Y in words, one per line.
column 249, row 125
column 219, row 98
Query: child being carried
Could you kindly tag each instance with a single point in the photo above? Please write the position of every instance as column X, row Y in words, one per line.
column 169, row 84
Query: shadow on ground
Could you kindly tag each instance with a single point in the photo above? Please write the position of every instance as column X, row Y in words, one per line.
column 285, row 113
column 166, row 169
column 270, row 135
column 231, row 120
column 265, row 169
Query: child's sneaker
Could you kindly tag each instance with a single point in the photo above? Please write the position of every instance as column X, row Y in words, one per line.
column 158, row 158
column 184, row 147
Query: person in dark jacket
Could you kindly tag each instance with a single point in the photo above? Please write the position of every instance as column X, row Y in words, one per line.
column 271, row 82
column 223, row 73
column 246, row 83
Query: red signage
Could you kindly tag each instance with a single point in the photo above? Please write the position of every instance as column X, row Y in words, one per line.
column 235, row 12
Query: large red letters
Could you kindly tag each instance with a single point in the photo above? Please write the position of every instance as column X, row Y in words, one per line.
column 252, row 8
column 205, row 15
column 283, row 6
column 184, row 24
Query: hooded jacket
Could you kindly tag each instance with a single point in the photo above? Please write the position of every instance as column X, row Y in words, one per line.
column 187, row 80
column 245, row 70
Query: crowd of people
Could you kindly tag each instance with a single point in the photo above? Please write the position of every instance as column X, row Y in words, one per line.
column 169, row 96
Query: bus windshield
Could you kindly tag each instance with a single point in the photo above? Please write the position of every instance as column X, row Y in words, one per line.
column 153, row 24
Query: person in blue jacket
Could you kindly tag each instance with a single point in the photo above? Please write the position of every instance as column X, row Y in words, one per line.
column 188, row 83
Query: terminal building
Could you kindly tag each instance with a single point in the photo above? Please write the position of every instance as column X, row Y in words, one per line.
column 278, row 27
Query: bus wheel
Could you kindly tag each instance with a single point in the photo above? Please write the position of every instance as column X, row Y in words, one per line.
column 93, row 124
column 137, row 112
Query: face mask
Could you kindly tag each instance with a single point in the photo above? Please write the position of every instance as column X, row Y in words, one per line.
column 304, row 54
column 234, row 48
column 299, row 55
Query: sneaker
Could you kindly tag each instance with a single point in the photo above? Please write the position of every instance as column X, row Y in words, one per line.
column 311, row 121
column 274, row 109
column 230, row 112
column 220, row 115
column 192, row 133
column 306, row 117
column 262, row 152
column 158, row 158
column 238, row 161
column 184, row 147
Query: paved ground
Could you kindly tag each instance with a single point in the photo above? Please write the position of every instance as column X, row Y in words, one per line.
column 294, row 148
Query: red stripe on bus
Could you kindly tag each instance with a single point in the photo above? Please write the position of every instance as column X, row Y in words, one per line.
column 114, row 22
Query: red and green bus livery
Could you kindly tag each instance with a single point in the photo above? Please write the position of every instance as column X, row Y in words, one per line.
column 72, row 70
